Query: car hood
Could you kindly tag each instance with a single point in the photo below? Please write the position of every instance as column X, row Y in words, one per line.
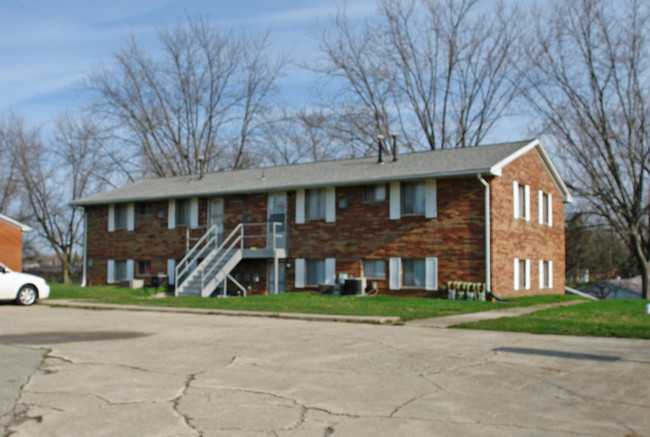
column 28, row 277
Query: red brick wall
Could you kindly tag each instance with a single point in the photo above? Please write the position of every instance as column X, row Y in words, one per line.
column 11, row 246
column 364, row 230
column 517, row 238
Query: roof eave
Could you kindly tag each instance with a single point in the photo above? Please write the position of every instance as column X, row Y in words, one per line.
column 15, row 223
column 483, row 171
column 546, row 160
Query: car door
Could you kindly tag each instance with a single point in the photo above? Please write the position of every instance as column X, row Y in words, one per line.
column 7, row 283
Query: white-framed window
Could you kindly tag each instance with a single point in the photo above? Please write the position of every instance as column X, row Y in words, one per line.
column 373, row 193
column 521, row 274
column 521, row 201
column 413, row 272
column 545, row 209
column 121, row 270
column 374, row 268
column 315, row 203
column 144, row 268
column 315, row 271
column 171, row 271
column 545, row 274
column 413, row 198
column 182, row 212
column 121, row 215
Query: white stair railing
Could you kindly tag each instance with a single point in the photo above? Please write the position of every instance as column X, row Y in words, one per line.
column 207, row 259
column 204, row 252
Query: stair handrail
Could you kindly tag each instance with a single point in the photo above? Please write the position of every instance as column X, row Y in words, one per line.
column 223, row 252
column 219, row 253
column 195, row 252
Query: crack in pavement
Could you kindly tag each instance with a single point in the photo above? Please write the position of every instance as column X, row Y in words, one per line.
column 410, row 401
column 176, row 402
column 20, row 409
column 294, row 401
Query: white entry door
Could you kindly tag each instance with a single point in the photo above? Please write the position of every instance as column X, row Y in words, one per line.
column 277, row 210
column 215, row 216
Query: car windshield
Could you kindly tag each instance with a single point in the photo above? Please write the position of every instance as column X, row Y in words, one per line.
column 4, row 268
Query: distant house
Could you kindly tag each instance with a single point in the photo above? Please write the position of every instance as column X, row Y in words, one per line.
column 491, row 214
column 11, row 242
column 615, row 288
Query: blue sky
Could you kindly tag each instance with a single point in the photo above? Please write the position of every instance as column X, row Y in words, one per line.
column 48, row 47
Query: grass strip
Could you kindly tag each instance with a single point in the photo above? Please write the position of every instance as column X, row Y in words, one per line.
column 606, row 318
column 404, row 307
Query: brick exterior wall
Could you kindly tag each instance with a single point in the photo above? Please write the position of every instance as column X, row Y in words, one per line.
column 11, row 246
column 517, row 238
column 363, row 230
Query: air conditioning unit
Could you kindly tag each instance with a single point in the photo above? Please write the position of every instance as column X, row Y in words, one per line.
column 354, row 286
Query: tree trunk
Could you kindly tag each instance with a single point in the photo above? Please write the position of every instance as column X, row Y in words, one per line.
column 642, row 261
column 645, row 271
column 66, row 272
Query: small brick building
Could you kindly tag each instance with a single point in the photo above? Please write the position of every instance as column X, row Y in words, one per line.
column 11, row 242
column 491, row 214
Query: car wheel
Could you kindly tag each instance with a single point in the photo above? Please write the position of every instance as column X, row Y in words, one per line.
column 27, row 295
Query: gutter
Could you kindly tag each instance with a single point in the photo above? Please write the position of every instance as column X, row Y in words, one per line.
column 487, row 231
column 85, row 259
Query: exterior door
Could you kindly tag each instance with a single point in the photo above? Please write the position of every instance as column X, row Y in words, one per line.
column 270, row 275
column 277, row 210
column 215, row 216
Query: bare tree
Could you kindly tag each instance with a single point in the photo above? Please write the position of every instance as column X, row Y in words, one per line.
column 201, row 97
column 436, row 70
column 303, row 136
column 590, row 84
column 8, row 176
column 352, row 59
column 54, row 173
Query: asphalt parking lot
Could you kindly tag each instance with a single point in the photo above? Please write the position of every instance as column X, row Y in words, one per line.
column 98, row 373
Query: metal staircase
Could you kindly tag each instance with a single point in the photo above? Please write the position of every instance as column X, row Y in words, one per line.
column 208, row 264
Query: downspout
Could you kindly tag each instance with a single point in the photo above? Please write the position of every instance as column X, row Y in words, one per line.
column 487, row 232
column 85, row 259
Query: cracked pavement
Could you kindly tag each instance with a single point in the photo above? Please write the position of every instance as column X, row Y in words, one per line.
column 206, row 375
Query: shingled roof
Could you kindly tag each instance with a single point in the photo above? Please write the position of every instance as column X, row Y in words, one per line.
column 487, row 160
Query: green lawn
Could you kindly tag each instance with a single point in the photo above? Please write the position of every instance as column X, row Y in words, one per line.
column 403, row 307
column 606, row 318
column 610, row 318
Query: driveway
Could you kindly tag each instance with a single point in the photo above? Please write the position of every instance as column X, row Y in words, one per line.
column 99, row 373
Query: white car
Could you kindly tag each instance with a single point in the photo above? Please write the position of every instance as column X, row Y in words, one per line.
column 22, row 288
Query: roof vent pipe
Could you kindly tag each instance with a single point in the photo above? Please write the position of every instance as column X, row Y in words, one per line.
column 201, row 160
column 394, row 135
column 380, row 139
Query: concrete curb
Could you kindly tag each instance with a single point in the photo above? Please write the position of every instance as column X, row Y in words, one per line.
column 375, row 320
